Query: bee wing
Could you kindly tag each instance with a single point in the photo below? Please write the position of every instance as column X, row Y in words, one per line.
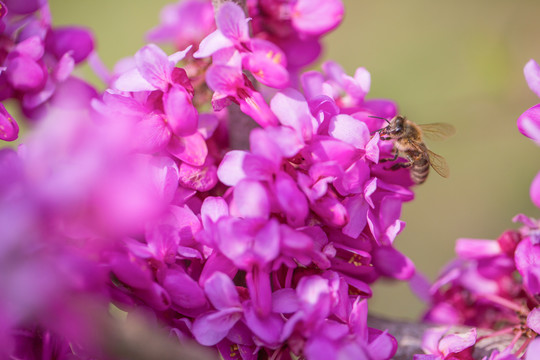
column 437, row 131
column 438, row 163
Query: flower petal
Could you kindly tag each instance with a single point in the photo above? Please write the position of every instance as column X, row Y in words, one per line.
column 178, row 56
column 292, row 110
column 9, row 129
column 211, row 328
column 224, row 79
column 284, row 301
column 532, row 75
column 267, row 63
column 357, row 209
column 212, row 209
column 151, row 134
column 132, row 80
column 533, row 350
column 533, row 320
column 231, row 170
column 181, row 114
column 32, row 47
column 212, row 43
column 312, row 83
column 535, row 190
column 232, row 22
column 529, row 123
column 292, row 200
column 266, row 328
column 79, row 42
column 154, row 66
column 200, row 178
column 392, row 263
column 191, row 149
column 24, row 73
column 221, row 291
column 456, row 343
column 64, row 67
column 183, row 290
column 350, row 130
column 316, row 17
column 476, row 248
column 527, row 258
column 251, row 199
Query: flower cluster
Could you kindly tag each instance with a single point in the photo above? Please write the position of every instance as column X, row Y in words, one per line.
column 36, row 61
column 495, row 284
column 137, row 198
column 296, row 26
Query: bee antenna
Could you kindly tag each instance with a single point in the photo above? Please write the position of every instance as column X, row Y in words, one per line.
column 378, row 117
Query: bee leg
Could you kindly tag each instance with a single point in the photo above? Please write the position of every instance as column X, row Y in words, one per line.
column 385, row 138
column 401, row 165
column 390, row 159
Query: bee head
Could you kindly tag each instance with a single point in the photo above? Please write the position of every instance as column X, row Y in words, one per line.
column 394, row 128
column 396, row 125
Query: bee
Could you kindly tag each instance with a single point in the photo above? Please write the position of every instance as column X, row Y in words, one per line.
column 409, row 143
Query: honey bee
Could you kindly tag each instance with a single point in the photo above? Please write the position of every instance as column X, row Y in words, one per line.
column 409, row 143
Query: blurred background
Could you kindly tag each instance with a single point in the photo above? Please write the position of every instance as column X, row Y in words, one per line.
column 457, row 61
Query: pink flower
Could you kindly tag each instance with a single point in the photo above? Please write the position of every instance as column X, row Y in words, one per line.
column 158, row 97
column 451, row 347
column 231, row 85
column 9, row 129
column 76, row 41
column 24, row 6
column 316, row 17
column 296, row 26
column 37, row 60
column 532, row 76
column 185, row 23
column 265, row 60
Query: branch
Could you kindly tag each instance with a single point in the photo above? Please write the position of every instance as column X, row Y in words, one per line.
column 409, row 337
column 137, row 339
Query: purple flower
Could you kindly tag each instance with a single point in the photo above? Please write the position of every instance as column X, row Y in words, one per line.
column 296, row 26
column 527, row 257
column 532, row 76
column 24, row 6
column 229, row 84
column 76, row 41
column 153, row 70
column 451, row 347
column 316, row 17
column 528, row 123
column 185, row 23
column 265, row 60
column 159, row 97
column 211, row 328
column 9, row 129
column 264, row 252
column 38, row 60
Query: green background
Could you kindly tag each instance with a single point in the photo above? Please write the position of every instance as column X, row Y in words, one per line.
column 456, row 61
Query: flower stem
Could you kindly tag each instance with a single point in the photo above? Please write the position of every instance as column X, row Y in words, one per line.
column 502, row 301
column 523, row 347
column 496, row 333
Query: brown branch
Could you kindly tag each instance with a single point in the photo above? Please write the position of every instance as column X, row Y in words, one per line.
column 137, row 339
column 409, row 336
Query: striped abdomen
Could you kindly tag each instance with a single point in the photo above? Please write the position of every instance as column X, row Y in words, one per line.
column 420, row 168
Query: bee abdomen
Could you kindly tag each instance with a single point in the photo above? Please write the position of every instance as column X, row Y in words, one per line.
column 420, row 170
